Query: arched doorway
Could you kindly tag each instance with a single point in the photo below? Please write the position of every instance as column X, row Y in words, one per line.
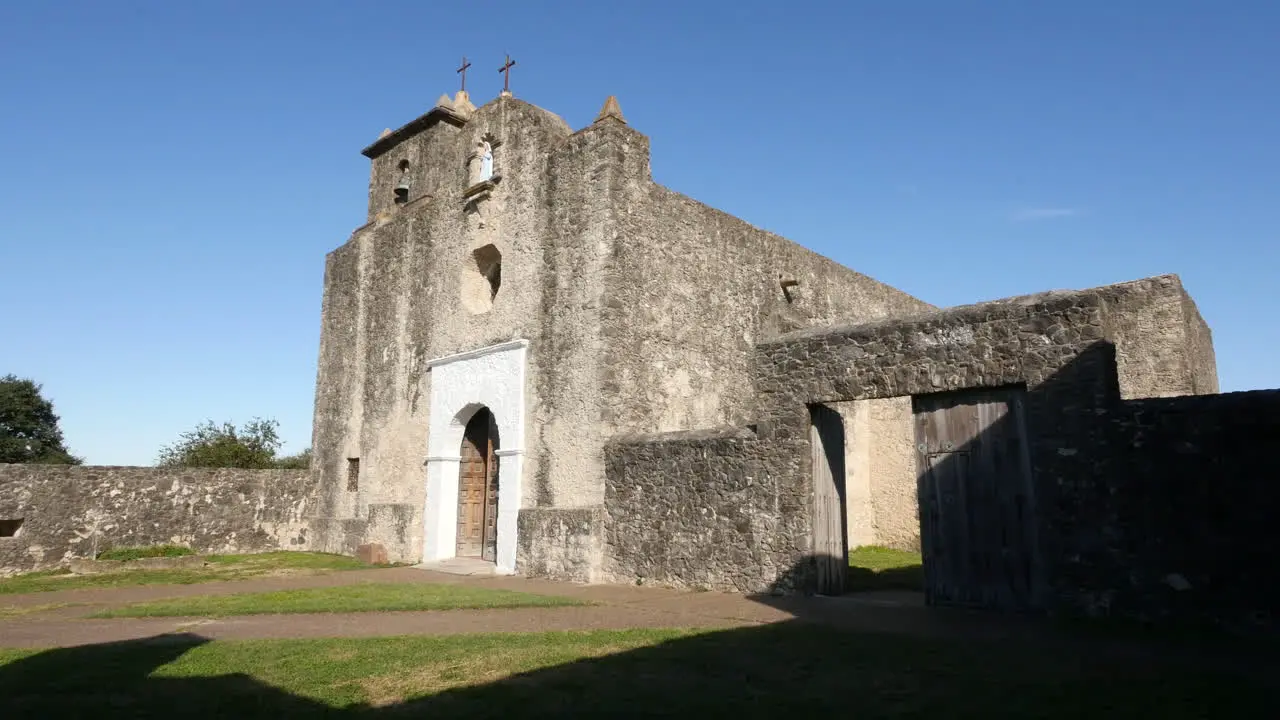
column 478, row 488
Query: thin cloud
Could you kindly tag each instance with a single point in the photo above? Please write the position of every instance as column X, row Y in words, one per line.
column 1047, row 213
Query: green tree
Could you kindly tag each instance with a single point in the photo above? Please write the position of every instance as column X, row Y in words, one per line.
column 29, row 431
column 301, row 461
column 253, row 445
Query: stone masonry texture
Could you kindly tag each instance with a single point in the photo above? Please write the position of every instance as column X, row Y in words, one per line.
column 69, row 510
column 1117, row 482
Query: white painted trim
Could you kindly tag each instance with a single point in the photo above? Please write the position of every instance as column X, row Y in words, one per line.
column 478, row 352
column 491, row 377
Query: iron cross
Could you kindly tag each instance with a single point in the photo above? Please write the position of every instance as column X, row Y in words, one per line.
column 463, row 72
column 506, row 74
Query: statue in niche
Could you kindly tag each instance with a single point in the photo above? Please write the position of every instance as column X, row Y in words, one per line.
column 480, row 167
column 486, row 160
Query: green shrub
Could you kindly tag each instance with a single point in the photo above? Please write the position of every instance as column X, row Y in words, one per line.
column 145, row 552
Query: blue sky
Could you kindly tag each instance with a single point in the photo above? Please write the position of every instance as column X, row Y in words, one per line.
column 172, row 174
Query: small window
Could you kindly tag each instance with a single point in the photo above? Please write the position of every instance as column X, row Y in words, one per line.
column 10, row 527
column 353, row 474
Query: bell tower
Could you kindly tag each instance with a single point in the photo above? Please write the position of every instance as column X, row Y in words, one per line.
column 411, row 162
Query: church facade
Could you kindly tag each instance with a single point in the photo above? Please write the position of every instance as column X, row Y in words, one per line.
column 534, row 356
column 537, row 276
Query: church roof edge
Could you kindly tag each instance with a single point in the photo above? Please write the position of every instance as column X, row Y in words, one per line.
column 418, row 124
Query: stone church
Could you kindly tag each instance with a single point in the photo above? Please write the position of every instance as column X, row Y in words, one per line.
column 535, row 356
column 521, row 295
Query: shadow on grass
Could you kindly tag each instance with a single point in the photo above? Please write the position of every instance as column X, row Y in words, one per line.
column 859, row 579
column 762, row 671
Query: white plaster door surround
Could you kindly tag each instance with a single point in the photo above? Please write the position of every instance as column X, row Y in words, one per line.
column 491, row 377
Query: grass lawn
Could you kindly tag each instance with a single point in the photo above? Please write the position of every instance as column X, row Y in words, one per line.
column 221, row 567
column 365, row 597
column 789, row 670
column 872, row 567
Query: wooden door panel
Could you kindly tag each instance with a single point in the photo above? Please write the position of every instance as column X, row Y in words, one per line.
column 977, row 530
column 830, row 540
column 472, row 480
column 489, row 537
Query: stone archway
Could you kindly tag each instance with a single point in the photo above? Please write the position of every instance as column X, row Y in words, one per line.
column 478, row 488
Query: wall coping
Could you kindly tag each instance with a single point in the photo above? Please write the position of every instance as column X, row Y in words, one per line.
column 478, row 352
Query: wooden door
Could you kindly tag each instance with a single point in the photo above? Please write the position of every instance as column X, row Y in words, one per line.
column 977, row 525
column 830, row 541
column 490, row 547
column 478, row 489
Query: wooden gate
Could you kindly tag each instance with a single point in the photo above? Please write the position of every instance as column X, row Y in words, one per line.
column 977, row 523
column 478, row 489
column 830, row 541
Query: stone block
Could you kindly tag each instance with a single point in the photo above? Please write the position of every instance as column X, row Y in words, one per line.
column 372, row 553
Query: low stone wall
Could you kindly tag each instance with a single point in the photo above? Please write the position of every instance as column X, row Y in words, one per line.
column 694, row 510
column 561, row 543
column 69, row 511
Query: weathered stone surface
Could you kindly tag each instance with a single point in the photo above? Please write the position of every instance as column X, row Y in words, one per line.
column 1192, row 495
column 1163, row 346
column 561, row 544
column 611, row 111
column 880, row 473
column 690, row 510
column 1129, row 493
column 1050, row 343
column 372, row 553
column 69, row 511
column 394, row 527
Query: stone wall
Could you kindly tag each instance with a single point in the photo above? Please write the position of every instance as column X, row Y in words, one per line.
column 880, row 482
column 561, row 543
column 1194, row 500
column 67, row 511
column 1202, row 362
column 1154, row 508
column 1053, row 344
column 1163, row 346
column 693, row 510
column 691, row 290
